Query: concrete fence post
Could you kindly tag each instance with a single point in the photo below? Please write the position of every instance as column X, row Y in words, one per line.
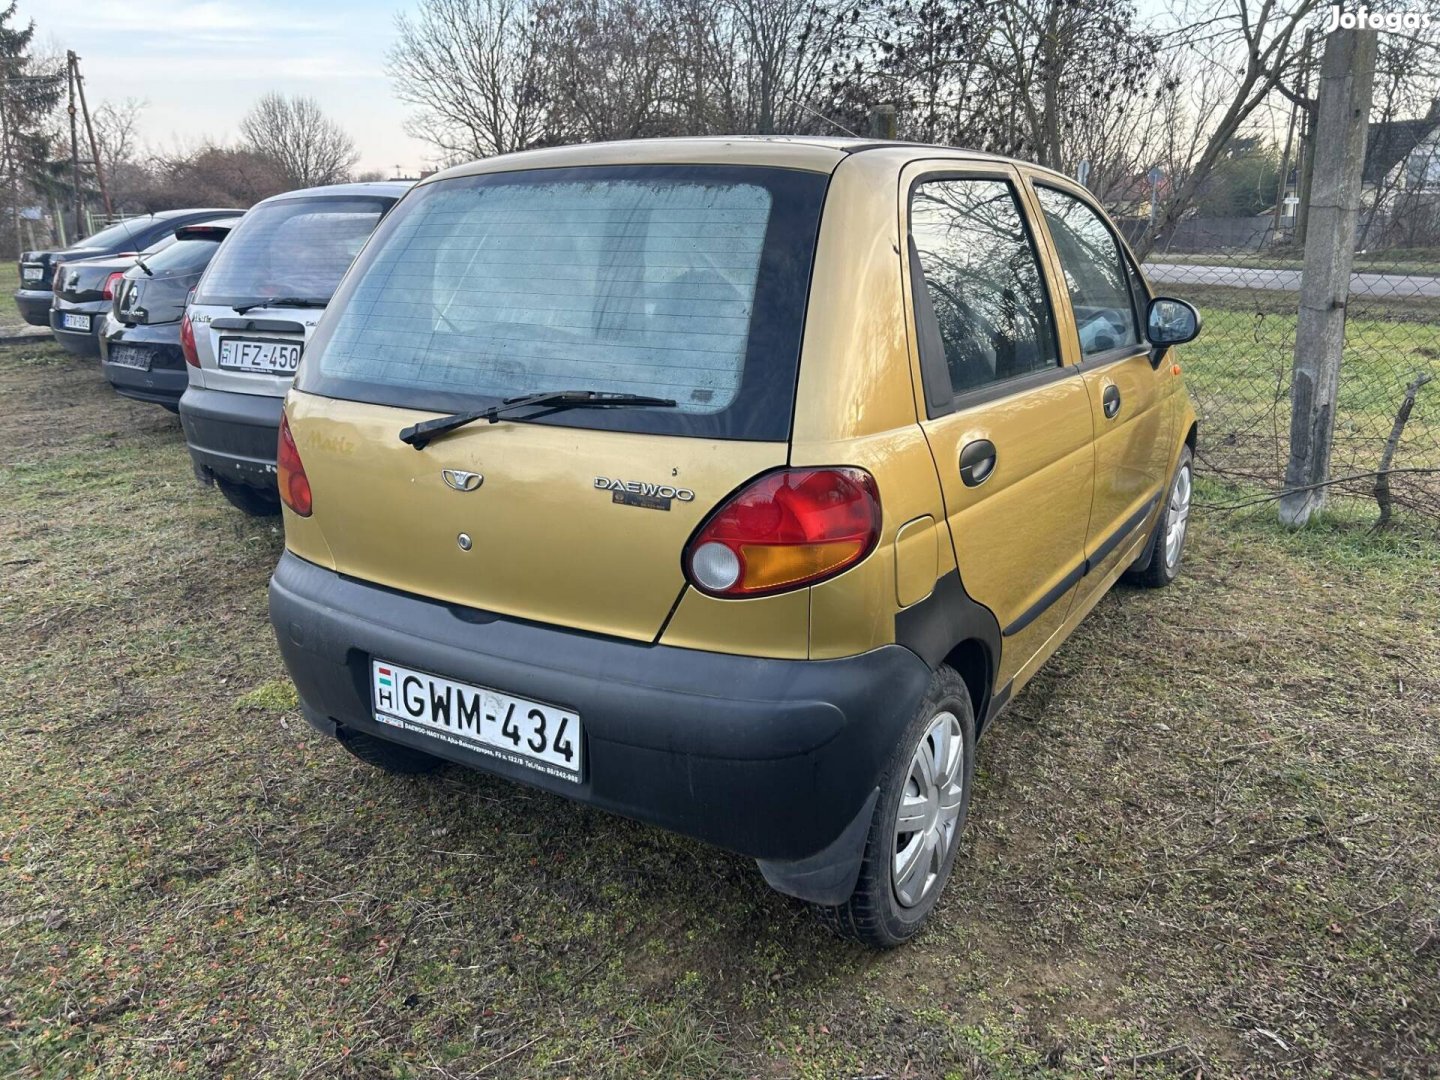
column 1347, row 76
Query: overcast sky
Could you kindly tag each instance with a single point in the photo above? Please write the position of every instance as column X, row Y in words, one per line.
column 200, row 64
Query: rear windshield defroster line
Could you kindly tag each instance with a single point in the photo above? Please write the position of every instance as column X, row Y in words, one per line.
column 687, row 282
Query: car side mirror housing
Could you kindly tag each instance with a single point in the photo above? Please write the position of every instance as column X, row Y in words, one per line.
column 1171, row 322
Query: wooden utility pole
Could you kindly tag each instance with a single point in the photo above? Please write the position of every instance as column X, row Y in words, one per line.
column 90, row 133
column 77, row 87
column 1347, row 77
column 75, row 154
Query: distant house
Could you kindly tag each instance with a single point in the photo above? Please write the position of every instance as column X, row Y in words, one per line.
column 1403, row 155
column 1400, row 198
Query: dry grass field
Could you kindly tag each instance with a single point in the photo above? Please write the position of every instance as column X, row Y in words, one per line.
column 1205, row 842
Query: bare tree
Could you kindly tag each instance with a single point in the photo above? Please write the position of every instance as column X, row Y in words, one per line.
column 473, row 69
column 781, row 51
column 611, row 70
column 117, row 135
column 1238, row 54
column 310, row 148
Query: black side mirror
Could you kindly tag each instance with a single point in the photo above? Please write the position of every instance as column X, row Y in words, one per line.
column 1171, row 322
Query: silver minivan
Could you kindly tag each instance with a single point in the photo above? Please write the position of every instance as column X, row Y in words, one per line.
column 246, row 327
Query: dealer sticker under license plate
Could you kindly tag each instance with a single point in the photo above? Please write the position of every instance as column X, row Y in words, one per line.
column 530, row 733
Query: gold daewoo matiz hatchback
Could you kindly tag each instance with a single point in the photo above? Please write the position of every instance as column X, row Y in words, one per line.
column 733, row 485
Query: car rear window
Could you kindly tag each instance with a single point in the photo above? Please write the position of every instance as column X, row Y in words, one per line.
column 291, row 247
column 121, row 234
column 681, row 282
column 182, row 256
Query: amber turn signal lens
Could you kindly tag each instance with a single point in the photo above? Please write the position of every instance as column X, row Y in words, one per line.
column 786, row 529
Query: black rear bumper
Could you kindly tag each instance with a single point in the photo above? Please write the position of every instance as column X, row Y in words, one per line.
column 78, row 342
column 34, row 305
column 232, row 436
column 158, row 386
column 166, row 378
column 776, row 759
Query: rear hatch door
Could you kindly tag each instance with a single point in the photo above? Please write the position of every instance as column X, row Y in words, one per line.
column 557, row 524
column 684, row 283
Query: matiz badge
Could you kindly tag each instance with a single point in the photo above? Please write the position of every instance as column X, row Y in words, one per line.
column 461, row 480
column 649, row 496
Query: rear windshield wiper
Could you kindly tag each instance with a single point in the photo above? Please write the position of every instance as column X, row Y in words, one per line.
column 140, row 262
column 420, row 435
column 280, row 301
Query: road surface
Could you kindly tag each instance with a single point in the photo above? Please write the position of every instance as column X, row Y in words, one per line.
column 1242, row 277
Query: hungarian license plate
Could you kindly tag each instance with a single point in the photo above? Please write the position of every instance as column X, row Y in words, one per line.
column 530, row 733
column 31, row 273
column 130, row 356
column 75, row 322
column 267, row 357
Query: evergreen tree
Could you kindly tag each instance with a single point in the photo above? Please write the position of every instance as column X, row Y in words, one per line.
column 28, row 96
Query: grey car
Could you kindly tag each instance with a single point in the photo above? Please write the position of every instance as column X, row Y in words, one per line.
column 246, row 327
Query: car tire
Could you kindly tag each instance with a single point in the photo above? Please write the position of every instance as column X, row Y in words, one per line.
column 386, row 755
column 1167, row 547
column 889, row 906
column 253, row 501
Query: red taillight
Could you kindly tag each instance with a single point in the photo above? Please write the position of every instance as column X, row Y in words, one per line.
column 187, row 341
column 110, row 282
column 55, row 285
column 294, row 484
column 786, row 529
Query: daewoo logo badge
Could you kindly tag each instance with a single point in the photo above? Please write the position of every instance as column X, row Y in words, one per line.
column 461, row 480
column 636, row 493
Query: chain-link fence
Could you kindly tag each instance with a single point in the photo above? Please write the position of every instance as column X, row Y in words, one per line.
column 1239, row 369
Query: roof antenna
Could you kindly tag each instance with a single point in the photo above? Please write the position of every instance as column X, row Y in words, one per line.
column 829, row 120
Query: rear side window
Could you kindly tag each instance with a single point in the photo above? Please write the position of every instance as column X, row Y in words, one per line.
column 181, row 256
column 685, row 283
column 293, row 247
column 121, row 235
column 982, row 281
column 1095, row 273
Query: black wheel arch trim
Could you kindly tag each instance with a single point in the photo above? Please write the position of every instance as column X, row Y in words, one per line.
column 946, row 619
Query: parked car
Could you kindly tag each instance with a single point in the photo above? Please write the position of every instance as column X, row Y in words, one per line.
column 85, row 291
column 730, row 485
column 37, row 268
column 247, row 325
column 140, row 349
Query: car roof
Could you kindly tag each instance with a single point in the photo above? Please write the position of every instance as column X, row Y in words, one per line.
column 218, row 211
column 384, row 188
column 814, row 153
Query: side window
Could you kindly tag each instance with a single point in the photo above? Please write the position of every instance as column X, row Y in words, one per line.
column 1095, row 273
column 979, row 270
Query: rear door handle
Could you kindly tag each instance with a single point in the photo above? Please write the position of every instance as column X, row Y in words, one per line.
column 977, row 462
column 1110, row 401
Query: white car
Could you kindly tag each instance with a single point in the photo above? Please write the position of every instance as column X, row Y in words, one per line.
column 246, row 327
